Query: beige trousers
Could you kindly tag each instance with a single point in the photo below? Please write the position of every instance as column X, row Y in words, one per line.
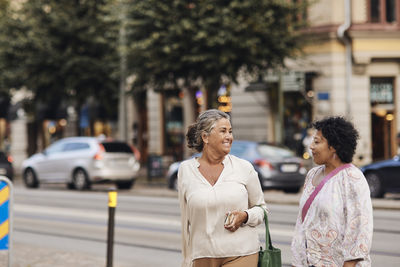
column 240, row 261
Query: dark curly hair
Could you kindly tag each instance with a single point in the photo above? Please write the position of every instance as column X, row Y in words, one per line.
column 341, row 135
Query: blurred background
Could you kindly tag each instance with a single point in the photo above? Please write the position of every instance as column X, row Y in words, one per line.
column 126, row 78
column 141, row 71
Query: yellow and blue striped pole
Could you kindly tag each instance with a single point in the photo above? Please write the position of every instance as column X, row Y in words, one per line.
column 6, row 215
column 4, row 211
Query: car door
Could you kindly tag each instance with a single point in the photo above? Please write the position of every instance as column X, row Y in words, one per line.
column 392, row 173
column 47, row 167
column 75, row 154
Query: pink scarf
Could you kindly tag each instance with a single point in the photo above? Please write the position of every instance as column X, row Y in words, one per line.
column 319, row 187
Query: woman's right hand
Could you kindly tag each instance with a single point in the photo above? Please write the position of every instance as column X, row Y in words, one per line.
column 239, row 217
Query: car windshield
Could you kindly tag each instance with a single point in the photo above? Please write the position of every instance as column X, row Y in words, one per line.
column 117, row 147
column 274, row 152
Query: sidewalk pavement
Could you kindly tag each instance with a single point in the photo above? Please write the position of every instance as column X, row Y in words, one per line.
column 26, row 255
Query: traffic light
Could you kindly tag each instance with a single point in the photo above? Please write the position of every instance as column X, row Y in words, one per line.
column 224, row 98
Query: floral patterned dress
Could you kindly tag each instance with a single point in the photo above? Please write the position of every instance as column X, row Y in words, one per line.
column 339, row 225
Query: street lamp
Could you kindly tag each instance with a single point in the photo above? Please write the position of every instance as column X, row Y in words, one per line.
column 122, row 109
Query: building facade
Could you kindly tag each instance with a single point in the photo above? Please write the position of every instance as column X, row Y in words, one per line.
column 351, row 68
column 355, row 56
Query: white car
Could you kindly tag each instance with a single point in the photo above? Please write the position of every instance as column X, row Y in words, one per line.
column 82, row 161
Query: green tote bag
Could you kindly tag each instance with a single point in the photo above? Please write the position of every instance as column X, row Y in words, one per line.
column 271, row 256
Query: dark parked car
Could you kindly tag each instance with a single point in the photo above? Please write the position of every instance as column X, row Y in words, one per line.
column 277, row 167
column 6, row 166
column 383, row 176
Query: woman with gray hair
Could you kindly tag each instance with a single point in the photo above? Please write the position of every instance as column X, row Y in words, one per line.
column 220, row 197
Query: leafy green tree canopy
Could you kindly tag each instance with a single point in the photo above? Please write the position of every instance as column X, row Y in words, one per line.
column 60, row 50
column 208, row 39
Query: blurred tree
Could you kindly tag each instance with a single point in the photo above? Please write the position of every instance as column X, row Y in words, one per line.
column 185, row 43
column 61, row 51
column 4, row 7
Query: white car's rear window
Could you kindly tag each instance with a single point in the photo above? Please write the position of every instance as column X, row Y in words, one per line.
column 117, row 147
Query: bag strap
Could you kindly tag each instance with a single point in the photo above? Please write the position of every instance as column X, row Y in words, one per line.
column 268, row 242
column 319, row 187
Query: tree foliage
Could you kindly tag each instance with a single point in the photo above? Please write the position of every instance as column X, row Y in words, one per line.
column 66, row 49
column 60, row 50
column 192, row 41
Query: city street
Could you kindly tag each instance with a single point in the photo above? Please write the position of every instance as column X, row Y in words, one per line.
column 129, row 93
column 54, row 226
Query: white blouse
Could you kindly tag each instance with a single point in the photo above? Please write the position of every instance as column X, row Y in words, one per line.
column 203, row 209
column 338, row 226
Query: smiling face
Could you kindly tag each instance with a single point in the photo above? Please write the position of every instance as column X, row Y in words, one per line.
column 219, row 140
column 320, row 149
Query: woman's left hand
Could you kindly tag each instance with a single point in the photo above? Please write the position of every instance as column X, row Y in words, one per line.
column 239, row 217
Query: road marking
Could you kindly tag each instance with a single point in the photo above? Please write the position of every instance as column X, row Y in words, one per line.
column 90, row 214
column 275, row 232
column 281, row 232
column 123, row 218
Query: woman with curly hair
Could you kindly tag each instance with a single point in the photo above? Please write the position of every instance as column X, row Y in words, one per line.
column 334, row 226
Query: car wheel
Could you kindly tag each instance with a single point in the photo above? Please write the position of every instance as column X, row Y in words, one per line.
column 173, row 182
column 80, row 180
column 375, row 185
column 30, row 179
column 125, row 184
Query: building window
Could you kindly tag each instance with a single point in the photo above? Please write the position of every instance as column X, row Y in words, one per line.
column 173, row 127
column 375, row 11
column 383, row 130
column 381, row 91
column 391, row 10
column 383, row 11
